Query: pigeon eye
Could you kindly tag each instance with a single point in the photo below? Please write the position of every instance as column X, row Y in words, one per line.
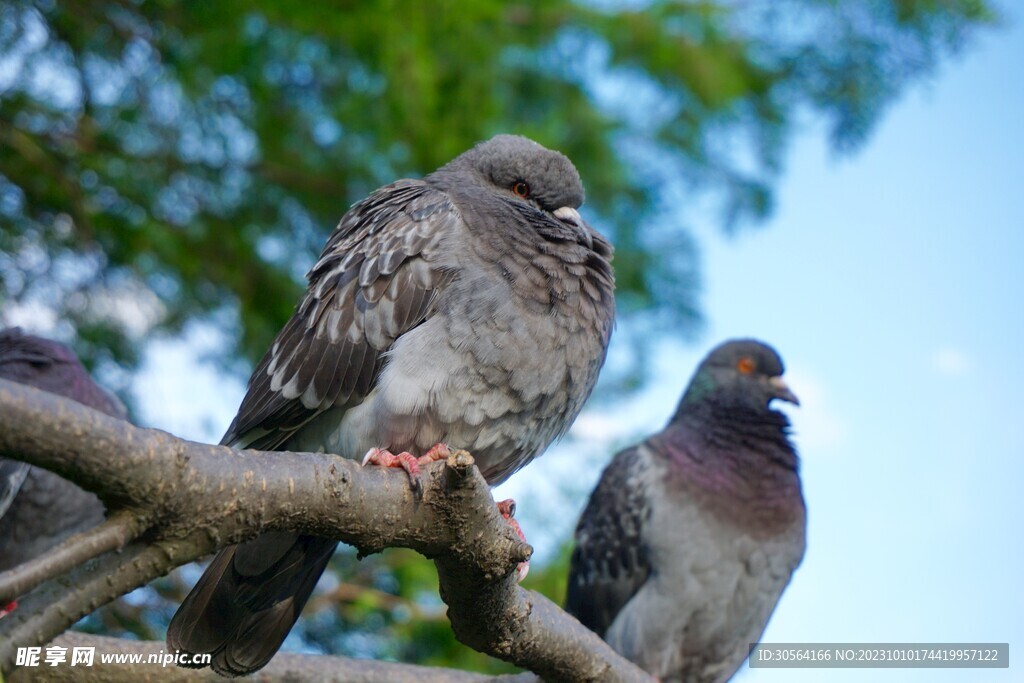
column 745, row 365
column 521, row 189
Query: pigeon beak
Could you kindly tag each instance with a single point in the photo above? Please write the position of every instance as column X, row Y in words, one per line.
column 568, row 215
column 571, row 217
column 781, row 390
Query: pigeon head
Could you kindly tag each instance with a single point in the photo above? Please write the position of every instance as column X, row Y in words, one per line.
column 522, row 178
column 53, row 367
column 524, row 170
column 34, row 360
column 740, row 373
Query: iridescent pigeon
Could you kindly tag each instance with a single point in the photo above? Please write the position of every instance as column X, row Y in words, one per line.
column 691, row 536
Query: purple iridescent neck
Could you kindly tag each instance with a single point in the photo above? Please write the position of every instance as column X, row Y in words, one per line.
column 737, row 462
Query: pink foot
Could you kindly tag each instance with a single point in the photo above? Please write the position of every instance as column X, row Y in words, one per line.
column 507, row 508
column 407, row 461
column 8, row 608
column 439, row 451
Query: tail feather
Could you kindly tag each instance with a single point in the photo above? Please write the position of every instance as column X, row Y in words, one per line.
column 244, row 605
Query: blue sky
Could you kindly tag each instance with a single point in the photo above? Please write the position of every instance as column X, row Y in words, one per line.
column 891, row 282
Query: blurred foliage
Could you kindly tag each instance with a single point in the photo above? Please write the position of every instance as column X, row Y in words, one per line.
column 166, row 162
column 162, row 162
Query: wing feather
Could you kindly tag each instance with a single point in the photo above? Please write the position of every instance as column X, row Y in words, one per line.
column 610, row 562
column 375, row 280
column 12, row 476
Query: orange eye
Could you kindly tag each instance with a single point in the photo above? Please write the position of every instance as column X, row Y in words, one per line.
column 745, row 365
column 521, row 189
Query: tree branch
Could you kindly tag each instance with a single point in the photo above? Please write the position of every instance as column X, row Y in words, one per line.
column 112, row 534
column 57, row 604
column 190, row 499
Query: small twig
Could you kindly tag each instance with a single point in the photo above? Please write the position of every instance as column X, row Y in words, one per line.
column 113, row 534
column 59, row 603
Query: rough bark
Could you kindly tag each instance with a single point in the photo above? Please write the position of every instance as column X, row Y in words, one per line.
column 173, row 501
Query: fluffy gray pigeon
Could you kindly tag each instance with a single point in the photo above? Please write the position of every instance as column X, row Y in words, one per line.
column 691, row 536
column 38, row 509
column 470, row 308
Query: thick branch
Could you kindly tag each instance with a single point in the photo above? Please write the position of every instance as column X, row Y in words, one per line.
column 195, row 498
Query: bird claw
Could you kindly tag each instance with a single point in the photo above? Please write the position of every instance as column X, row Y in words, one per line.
column 408, row 462
column 507, row 508
column 8, row 608
column 439, row 451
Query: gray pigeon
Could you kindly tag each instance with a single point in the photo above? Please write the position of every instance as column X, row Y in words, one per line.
column 690, row 537
column 471, row 308
column 38, row 509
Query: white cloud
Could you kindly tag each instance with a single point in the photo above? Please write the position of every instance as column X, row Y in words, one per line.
column 952, row 362
column 603, row 426
column 817, row 427
column 32, row 316
column 178, row 391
